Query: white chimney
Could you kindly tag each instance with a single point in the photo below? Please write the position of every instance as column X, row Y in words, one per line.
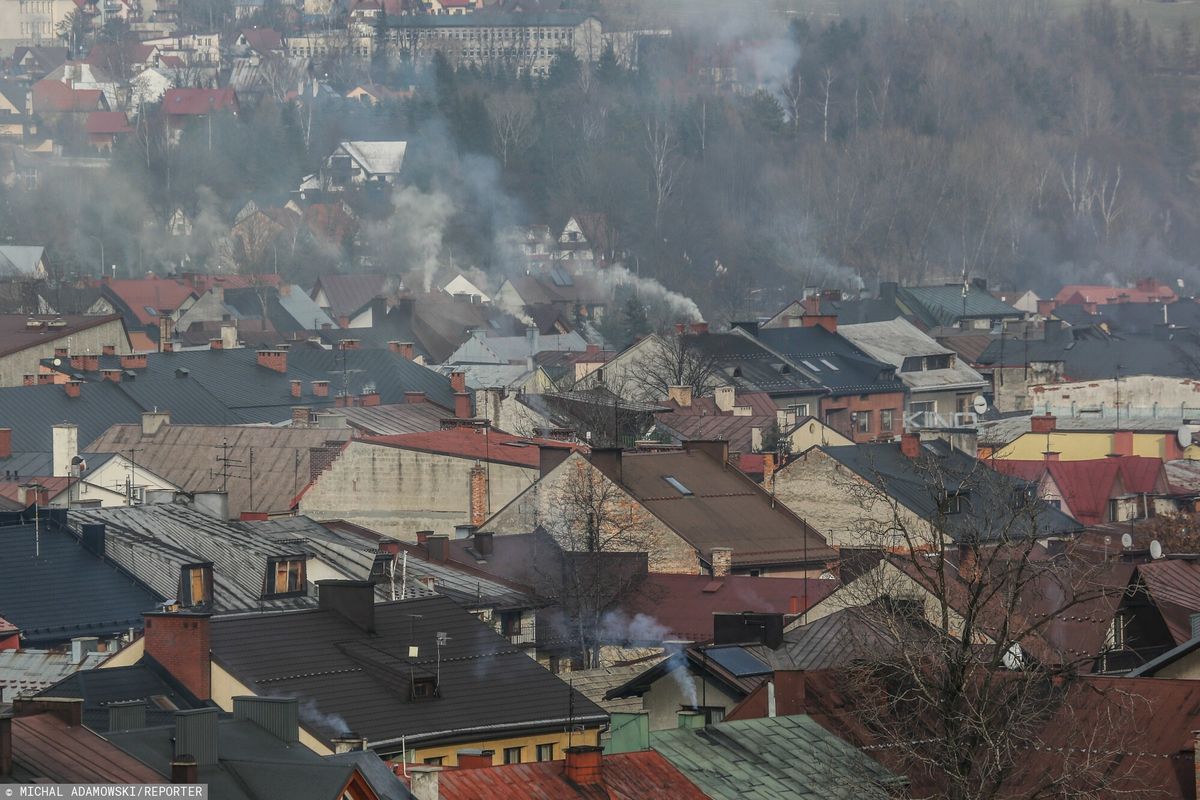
column 423, row 782
column 66, row 447
column 229, row 335
column 724, row 396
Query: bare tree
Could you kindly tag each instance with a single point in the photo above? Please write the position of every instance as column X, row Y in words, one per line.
column 670, row 360
column 964, row 708
column 665, row 164
column 512, row 116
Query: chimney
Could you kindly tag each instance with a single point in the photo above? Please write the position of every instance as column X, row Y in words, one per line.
column 369, row 398
column 108, row 350
column 73, row 388
column 45, row 379
column 533, row 340
column 81, row 646
column 680, row 328
column 437, row 545
column 826, row 321
column 229, row 335
column 680, row 395
column 6, row 742
column 349, row 742
column 127, row 715
column 423, row 782
column 5, row 442
column 888, row 290
column 794, row 606
column 87, row 362
column 608, row 461
column 721, row 559
column 699, row 327
column 691, row 720
column 1122, row 443
column 320, row 388
column 484, row 544
column 113, row 375
column 297, row 387
column 462, row 405
column 412, row 398
column 184, row 770
column 475, row 759
column 167, row 347
column 301, row 416
column 278, row 716
column 273, row 359
column 60, row 352
column 910, row 444
column 725, row 397
column 65, row 443
column 458, row 381
column 92, row 535
column 629, row 731
column 153, row 420
column 134, row 361
column 585, row 765
column 1046, row 307
column 179, row 642
column 216, row 344
column 423, row 538
column 29, row 380
column 550, row 457
column 480, row 502
column 716, row 449
column 404, row 350
column 196, row 736
column 1042, row 424
column 343, row 321
column 164, row 332
column 354, row 600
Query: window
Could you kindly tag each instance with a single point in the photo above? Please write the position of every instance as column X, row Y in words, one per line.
column 953, row 502
column 285, row 576
column 434, row 761
column 941, row 361
column 1114, row 510
column 545, row 752
column 510, row 623
column 679, row 487
column 830, row 365
column 512, row 755
column 860, row 421
column 810, row 365
column 800, row 410
column 712, row 714
column 423, row 687
column 195, row 584
column 887, row 419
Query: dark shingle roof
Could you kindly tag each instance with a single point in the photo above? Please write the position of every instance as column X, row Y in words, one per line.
column 750, row 366
column 832, row 361
column 53, row 589
column 486, row 683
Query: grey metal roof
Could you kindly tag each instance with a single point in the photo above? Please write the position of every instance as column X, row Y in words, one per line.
column 145, row 681
column 1008, row 429
column 894, row 341
column 831, row 361
column 947, row 304
column 27, row 464
column 486, row 683
column 32, row 411
column 773, row 758
column 26, row 672
column 489, row 376
column 479, row 349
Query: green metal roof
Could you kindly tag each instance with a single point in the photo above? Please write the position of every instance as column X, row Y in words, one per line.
column 944, row 305
column 773, row 758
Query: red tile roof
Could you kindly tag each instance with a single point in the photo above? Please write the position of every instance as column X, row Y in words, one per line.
column 108, row 122
column 56, row 96
column 1086, row 486
column 685, row 604
column 148, row 297
column 198, row 102
column 11, row 490
column 1145, row 292
column 264, row 40
column 632, row 776
column 479, row 443
column 46, row 747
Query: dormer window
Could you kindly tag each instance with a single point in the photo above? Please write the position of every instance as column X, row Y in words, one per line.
column 285, row 576
column 424, row 687
column 953, row 502
column 195, row 585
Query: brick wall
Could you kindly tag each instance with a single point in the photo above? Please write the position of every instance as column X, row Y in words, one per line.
column 180, row 643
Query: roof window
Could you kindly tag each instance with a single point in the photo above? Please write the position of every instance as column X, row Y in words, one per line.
column 677, row 485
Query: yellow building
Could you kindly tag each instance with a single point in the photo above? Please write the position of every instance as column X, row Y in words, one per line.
column 1085, row 438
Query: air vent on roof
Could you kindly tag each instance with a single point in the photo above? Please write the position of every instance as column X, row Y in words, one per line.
column 831, row 366
column 57, row 323
column 33, row 323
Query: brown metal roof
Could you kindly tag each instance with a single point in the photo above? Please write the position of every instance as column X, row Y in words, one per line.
column 44, row 746
column 187, row 456
column 396, row 418
column 1174, row 586
column 16, row 334
column 724, row 508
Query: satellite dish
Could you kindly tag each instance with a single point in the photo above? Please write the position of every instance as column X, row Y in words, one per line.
column 1184, row 436
column 1155, row 549
column 980, row 405
column 57, row 362
column 1126, row 541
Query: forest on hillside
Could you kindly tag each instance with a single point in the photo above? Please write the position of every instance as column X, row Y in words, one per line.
column 737, row 162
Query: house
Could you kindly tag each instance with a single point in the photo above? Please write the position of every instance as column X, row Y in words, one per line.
column 106, row 128
column 483, row 349
column 36, row 62
column 1155, row 615
column 587, row 237
column 23, row 260
column 183, row 106
column 1148, row 291
column 959, row 306
column 217, row 458
column 26, row 340
column 261, row 41
column 143, row 302
column 571, row 291
column 347, row 298
column 360, row 163
column 861, row 397
column 582, row 772
column 439, row 680
column 941, row 387
column 460, row 285
column 39, row 549
column 859, row 495
column 1099, row 490
column 14, row 114
column 1084, row 437
column 433, row 481
column 697, row 513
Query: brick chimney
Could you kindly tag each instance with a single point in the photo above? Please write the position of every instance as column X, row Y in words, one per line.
column 73, row 388
column 113, row 375
column 413, row 398
column 699, row 327
column 164, row 332
column 462, row 405
column 216, row 344
column 273, row 359
column 585, row 765
column 475, row 759
column 910, row 444
column 179, row 642
column 320, row 388
column 550, row 457
column 721, row 559
column 826, row 321
column 349, row 344
column 297, row 388
column 680, row 328
column 134, row 361
column 60, row 352
column 167, row 346
column 458, row 381
column 29, row 380
column 1122, row 443
column 403, row 349
column 5, row 442
column 1045, row 423
column 1046, row 307
column 479, row 494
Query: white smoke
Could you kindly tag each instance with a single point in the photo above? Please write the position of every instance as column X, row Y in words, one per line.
column 314, row 717
column 617, row 627
column 681, row 307
column 413, row 235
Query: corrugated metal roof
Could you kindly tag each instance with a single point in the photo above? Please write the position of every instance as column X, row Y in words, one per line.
column 45, row 747
column 774, row 758
column 1174, row 588
column 396, row 418
column 24, row 672
column 945, row 305
column 892, row 342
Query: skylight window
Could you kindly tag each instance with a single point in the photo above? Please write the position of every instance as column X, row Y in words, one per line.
column 831, row 366
column 679, row 487
column 811, row 366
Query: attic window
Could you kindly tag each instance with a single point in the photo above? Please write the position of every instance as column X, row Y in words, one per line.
column 424, row 687
column 195, row 585
column 677, row 485
column 285, row 576
column 953, row 502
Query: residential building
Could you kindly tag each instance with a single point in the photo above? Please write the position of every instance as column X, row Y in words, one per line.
column 435, row 680
column 1085, row 437
column 184, row 106
column 364, row 164
column 23, row 260
column 26, row 340
column 348, row 298
column 144, row 301
column 483, row 349
column 32, row 25
column 1155, row 615
column 1147, row 290
column 27, row 671
column 1133, row 396
column 697, row 513
column 941, row 388
column 960, row 306
column 570, row 291
column 1097, row 491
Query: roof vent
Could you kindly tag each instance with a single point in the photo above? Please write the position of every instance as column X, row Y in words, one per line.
column 57, row 323
column 33, row 323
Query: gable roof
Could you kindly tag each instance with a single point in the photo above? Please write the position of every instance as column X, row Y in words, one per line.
column 487, row 685
column 44, row 746
column 28, row 671
column 347, row 294
column 1174, row 587
column 145, row 681
column 146, row 298
column 107, row 122
column 377, row 158
column 51, row 96
column 18, row 331
column 17, row 259
column 831, row 361
column 1087, row 485
column 749, row 364
column 199, row 102
column 396, row 418
column 945, row 305
column 893, row 341
column 479, row 443
column 725, row 508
